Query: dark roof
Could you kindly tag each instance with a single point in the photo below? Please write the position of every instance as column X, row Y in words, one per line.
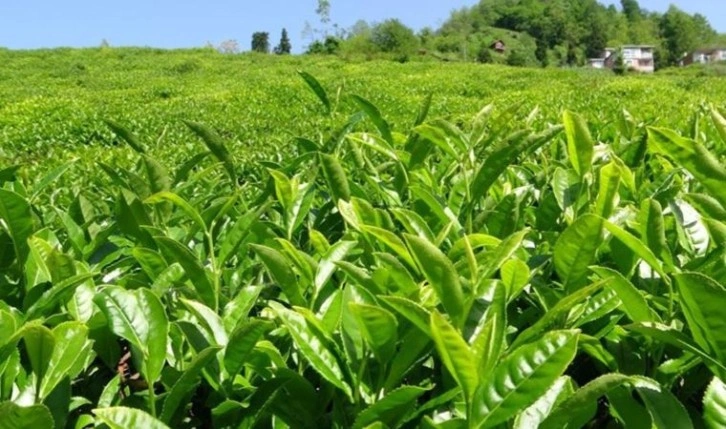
column 707, row 50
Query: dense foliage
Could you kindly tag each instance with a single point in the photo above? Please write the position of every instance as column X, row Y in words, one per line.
column 389, row 266
column 537, row 32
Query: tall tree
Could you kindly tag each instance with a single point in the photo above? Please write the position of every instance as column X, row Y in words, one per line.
column 391, row 36
column 631, row 9
column 261, row 42
column 284, row 47
column 679, row 34
column 597, row 36
column 323, row 11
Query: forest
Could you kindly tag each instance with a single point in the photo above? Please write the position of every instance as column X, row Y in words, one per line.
column 537, row 33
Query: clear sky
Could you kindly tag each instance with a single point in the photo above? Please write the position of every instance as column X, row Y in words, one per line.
column 26, row 24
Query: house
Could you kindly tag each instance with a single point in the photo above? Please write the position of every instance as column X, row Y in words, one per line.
column 704, row 56
column 635, row 57
column 498, row 46
column 606, row 59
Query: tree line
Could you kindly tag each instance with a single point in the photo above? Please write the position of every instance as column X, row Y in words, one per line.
column 535, row 32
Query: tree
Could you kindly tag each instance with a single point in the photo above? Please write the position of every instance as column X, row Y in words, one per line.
column 261, row 42
column 631, row 9
column 679, row 33
column 619, row 65
column 597, row 38
column 485, row 55
column 330, row 46
column 517, row 58
column 323, row 11
column 391, row 36
column 284, row 47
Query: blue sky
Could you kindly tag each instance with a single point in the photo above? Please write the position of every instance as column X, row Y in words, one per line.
column 184, row 23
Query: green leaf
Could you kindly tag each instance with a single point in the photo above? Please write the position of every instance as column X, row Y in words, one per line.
column 502, row 252
column 182, row 173
column 9, row 174
column 669, row 335
column 522, row 377
column 49, row 178
column 637, row 246
column 392, row 409
column 515, row 275
column 441, row 275
column 57, row 293
column 567, row 188
column 498, row 162
column 170, row 197
column 707, row 205
column 633, row 301
column 703, row 300
column 411, row 311
column 216, row 146
column 392, row 241
column 580, row 147
column 653, row 230
column 239, row 307
column 33, row 417
column 208, row 320
column 316, row 349
column 317, row 89
column 455, row 355
column 714, row 404
column 489, row 342
column 241, row 343
column 139, row 317
column 440, row 137
column 192, row 267
column 158, row 176
column 70, row 352
column 695, row 158
column 627, row 409
column 76, row 236
column 581, row 407
column 281, row 272
column 328, row 262
column 375, row 116
column 576, row 250
column 607, row 197
column 556, row 313
column 335, row 177
column 150, row 261
column 535, row 414
column 125, row 418
column 719, row 122
column 39, row 344
column 126, row 135
column 18, row 221
column 665, row 409
column 379, row 328
column 414, row 223
column 237, row 233
column 182, row 389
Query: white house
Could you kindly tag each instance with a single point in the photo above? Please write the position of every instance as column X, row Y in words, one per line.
column 635, row 57
column 704, row 56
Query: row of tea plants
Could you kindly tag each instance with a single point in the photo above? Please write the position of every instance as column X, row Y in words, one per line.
column 503, row 272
